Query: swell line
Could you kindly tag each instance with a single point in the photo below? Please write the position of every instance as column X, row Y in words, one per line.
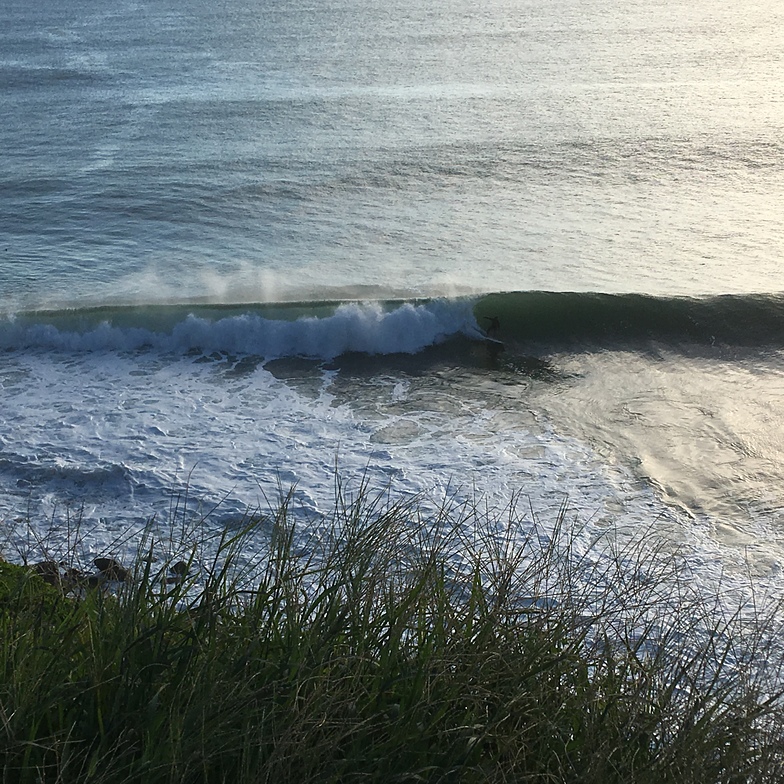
column 531, row 320
column 615, row 319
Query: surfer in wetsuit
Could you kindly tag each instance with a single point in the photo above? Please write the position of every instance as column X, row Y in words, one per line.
column 493, row 328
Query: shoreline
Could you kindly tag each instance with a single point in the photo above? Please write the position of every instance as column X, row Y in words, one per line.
column 397, row 649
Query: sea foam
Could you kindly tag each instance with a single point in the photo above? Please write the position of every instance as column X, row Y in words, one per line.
column 370, row 327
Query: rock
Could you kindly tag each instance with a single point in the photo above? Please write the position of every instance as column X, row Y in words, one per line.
column 49, row 571
column 180, row 571
column 111, row 569
column 74, row 576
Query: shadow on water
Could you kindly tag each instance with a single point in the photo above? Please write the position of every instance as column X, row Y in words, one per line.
column 458, row 355
column 506, row 364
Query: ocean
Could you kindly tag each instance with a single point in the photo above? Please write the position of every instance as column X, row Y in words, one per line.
column 516, row 253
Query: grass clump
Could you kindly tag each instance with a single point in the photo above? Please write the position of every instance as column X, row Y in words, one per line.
column 396, row 649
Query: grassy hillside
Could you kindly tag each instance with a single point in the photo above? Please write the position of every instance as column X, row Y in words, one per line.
column 396, row 650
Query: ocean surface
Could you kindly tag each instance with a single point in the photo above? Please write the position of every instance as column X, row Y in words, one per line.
column 510, row 252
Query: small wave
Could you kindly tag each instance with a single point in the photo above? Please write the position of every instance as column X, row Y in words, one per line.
column 21, row 76
column 267, row 331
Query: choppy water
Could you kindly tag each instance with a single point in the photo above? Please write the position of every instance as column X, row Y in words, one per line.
column 241, row 245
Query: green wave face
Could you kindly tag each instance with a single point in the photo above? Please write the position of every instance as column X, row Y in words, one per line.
column 163, row 317
column 609, row 320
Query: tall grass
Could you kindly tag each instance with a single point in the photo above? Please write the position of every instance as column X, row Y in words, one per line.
column 392, row 649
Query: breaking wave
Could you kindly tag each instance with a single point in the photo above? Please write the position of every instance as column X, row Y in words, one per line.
column 320, row 330
column 325, row 330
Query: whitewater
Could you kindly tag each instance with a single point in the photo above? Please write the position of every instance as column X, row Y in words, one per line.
column 516, row 254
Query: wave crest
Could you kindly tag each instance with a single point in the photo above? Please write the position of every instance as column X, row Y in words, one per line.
column 369, row 327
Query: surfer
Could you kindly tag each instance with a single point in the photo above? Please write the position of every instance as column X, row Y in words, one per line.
column 493, row 328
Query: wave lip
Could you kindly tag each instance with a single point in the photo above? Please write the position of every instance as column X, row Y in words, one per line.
column 366, row 327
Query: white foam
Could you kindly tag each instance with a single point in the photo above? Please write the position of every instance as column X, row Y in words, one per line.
column 113, row 439
column 361, row 327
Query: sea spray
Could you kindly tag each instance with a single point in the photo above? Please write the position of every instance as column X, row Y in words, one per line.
column 366, row 327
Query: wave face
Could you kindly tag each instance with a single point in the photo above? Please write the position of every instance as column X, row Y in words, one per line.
column 527, row 320
column 316, row 330
column 610, row 320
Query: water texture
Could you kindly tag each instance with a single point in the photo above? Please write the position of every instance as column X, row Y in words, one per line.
column 465, row 251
